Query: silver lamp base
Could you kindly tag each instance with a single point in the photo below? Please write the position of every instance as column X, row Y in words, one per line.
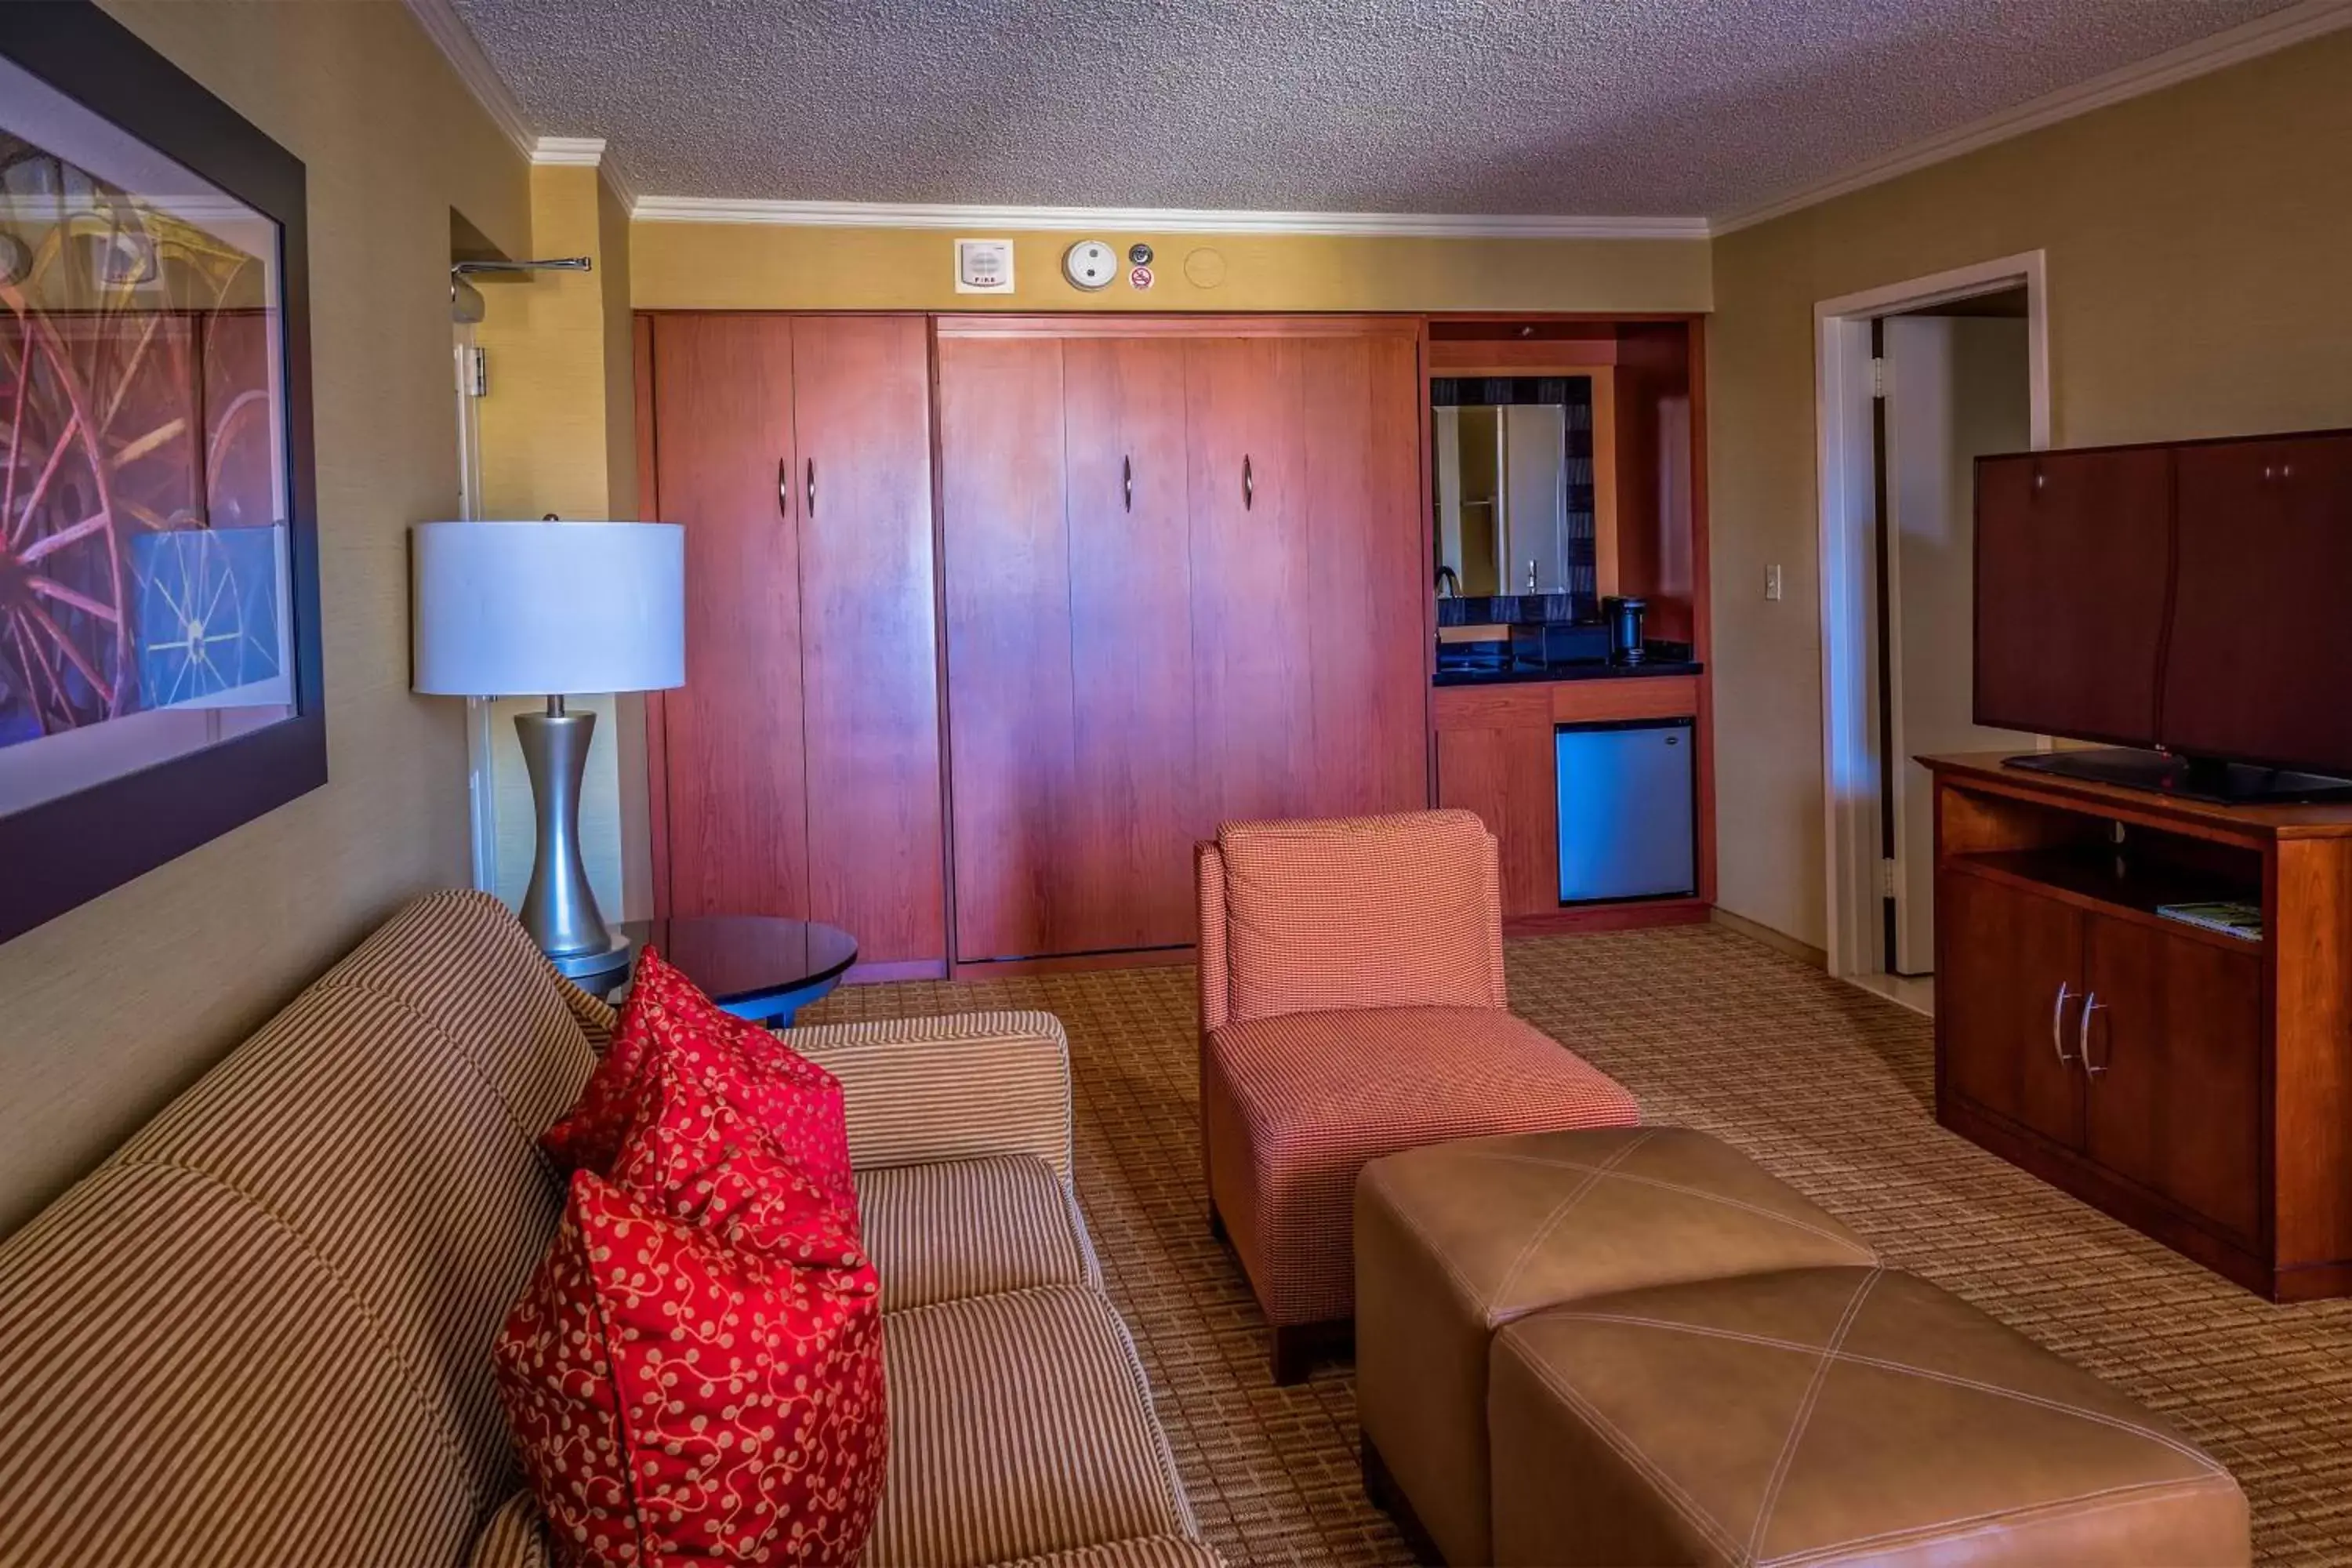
column 559, row 910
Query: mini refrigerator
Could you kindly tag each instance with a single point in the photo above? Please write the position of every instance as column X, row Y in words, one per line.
column 1628, row 824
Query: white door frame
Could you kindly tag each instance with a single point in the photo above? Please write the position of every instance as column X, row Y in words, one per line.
column 1851, row 784
column 481, row 796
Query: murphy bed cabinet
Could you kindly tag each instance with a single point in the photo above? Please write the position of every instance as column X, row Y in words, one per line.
column 797, row 772
column 2196, row 1085
column 1184, row 584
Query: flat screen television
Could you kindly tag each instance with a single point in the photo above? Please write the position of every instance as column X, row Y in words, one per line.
column 2190, row 605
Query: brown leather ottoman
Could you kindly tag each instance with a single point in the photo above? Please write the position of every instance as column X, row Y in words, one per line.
column 1457, row 1240
column 1829, row 1416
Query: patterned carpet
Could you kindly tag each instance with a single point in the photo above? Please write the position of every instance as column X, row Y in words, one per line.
column 1827, row 1087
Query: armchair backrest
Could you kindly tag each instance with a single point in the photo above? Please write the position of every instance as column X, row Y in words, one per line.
column 1402, row 911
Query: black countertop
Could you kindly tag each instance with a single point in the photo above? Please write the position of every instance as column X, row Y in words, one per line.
column 1574, row 670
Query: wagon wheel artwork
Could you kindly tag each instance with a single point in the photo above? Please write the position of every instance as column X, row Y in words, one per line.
column 115, row 342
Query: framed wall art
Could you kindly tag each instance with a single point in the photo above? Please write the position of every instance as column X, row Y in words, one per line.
column 160, row 675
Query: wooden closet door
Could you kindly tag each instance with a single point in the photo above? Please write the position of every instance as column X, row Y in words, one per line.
column 1011, row 702
column 1127, row 864
column 1252, row 712
column 734, row 784
column 1359, row 509
column 869, row 648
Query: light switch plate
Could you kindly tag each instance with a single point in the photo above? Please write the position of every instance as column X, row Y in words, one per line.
column 1772, row 582
column 983, row 266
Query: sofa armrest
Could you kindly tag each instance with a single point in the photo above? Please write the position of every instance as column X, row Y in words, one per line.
column 964, row 1087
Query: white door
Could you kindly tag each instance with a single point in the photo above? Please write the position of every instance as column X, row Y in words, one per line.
column 1534, row 449
column 1956, row 387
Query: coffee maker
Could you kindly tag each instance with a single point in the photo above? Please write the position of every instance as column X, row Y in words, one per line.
column 1623, row 619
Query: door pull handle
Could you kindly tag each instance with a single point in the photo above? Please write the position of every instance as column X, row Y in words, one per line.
column 2058, row 1025
column 811, row 488
column 784, row 488
column 1249, row 484
column 1127, row 482
column 2091, row 1003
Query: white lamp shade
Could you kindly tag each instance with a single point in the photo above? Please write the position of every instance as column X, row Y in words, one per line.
column 542, row 609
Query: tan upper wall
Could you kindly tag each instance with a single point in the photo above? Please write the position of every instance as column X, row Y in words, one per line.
column 767, row 266
column 2196, row 243
column 112, row 1008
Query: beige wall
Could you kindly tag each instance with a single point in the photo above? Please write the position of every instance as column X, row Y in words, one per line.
column 112, row 1008
column 751, row 267
column 559, row 435
column 2198, row 243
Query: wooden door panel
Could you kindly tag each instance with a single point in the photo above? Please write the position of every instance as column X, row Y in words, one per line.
column 1365, row 575
column 869, row 649
column 731, row 743
column 2049, row 655
column 1133, row 815
column 1509, row 777
column 1010, row 697
column 2177, row 1037
column 2001, row 1025
column 1253, row 716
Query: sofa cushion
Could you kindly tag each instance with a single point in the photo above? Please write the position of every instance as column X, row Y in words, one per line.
column 1151, row 1552
column 1368, row 911
column 676, row 1399
column 798, row 1103
column 380, row 1128
column 188, row 1382
column 972, row 1227
column 1294, row 1106
column 515, row 1537
column 1021, row 1425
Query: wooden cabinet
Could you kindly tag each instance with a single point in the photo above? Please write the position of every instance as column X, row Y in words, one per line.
column 1495, row 756
column 797, row 770
column 2170, row 1032
column 870, row 645
column 733, row 786
column 1182, row 586
column 2194, row 1084
column 2007, row 1004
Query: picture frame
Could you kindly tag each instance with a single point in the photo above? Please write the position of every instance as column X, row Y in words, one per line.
column 161, row 680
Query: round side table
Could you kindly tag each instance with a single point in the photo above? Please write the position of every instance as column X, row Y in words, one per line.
column 761, row 967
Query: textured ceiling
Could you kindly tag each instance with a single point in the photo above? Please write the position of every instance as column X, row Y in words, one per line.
column 1650, row 108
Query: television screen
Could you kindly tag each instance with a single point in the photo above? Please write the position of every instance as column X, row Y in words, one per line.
column 2259, row 665
column 2192, row 598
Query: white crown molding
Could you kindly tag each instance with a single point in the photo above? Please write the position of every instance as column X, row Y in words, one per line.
column 450, row 35
column 585, row 153
column 1156, row 220
column 2266, row 34
column 572, row 151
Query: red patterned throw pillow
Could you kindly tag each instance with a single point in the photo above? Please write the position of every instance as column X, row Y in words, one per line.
column 797, row 1103
column 694, row 1372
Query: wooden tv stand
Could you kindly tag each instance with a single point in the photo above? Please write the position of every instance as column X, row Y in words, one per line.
column 2195, row 1085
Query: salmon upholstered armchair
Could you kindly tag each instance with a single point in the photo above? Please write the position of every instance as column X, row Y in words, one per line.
column 1352, row 1005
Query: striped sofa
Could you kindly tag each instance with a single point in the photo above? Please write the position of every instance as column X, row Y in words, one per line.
column 259, row 1334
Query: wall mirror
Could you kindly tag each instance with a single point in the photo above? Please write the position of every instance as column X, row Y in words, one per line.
column 1514, row 487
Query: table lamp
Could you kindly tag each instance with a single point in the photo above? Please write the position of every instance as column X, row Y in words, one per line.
column 540, row 609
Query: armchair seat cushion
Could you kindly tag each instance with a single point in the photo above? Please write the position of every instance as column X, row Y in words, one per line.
column 1295, row 1105
column 961, row 1228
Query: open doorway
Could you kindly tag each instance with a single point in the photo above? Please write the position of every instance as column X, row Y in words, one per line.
column 1916, row 381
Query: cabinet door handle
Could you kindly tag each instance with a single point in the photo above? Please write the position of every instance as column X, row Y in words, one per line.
column 784, row 488
column 811, row 488
column 1249, row 484
column 1127, row 482
column 2091, row 1003
column 2058, row 1024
